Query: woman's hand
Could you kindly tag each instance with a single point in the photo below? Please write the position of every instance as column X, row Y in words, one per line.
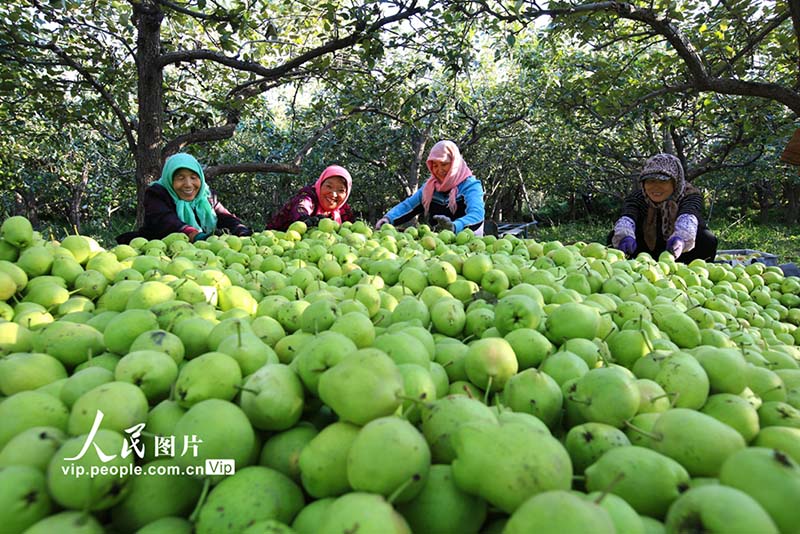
column 627, row 245
column 442, row 222
column 380, row 222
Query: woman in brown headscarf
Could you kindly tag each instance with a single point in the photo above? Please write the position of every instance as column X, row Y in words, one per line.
column 664, row 213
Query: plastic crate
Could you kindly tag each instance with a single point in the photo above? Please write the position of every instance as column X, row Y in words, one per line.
column 746, row 256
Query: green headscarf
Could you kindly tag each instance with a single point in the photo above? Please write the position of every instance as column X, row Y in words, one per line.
column 200, row 207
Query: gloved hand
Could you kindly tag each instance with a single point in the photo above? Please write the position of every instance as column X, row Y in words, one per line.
column 627, row 245
column 675, row 246
column 202, row 236
column 312, row 220
column 381, row 222
column 242, row 230
column 442, row 222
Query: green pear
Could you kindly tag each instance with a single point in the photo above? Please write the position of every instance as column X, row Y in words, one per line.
column 268, row 329
column 441, row 420
column 70, row 521
column 490, row 363
column 116, row 296
column 282, row 451
column 477, row 321
column 765, row 383
column 782, row 438
column 365, row 513
column 226, row 328
column 213, row 429
column 646, row 479
column 390, row 457
column 75, row 481
column 735, row 412
column 323, row 461
column 272, row 397
column 23, row 371
column 36, row 261
column 587, row 442
column 402, row 348
column 357, row 327
column 571, row 320
column 320, row 353
column 82, row 381
column 152, row 371
column 161, row 421
column 776, row 413
column 419, row 386
column 236, row 297
column 71, row 343
column 28, row 409
column 213, row 375
column 518, row 460
column 15, row 338
column 310, row 518
column 607, row 395
column 162, row 341
column 69, row 270
column 249, row 351
column 101, row 319
column 680, row 328
column 90, row 284
column 652, row 397
column 717, row 508
column 448, row 316
column 365, row 374
column 682, row 376
column 465, row 388
column 771, row 478
column 17, row 231
column 124, row 328
column 442, row 507
column 563, row 366
column 726, row 368
column 451, row 355
column 622, row 514
column 23, row 497
column 123, row 406
column 557, row 511
column 107, row 360
column 319, row 316
column 700, row 443
column 193, row 333
column 536, row 393
column 105, row 262
column 411, row 308
column 76, row 304
column 150, row 498
column 33, row 447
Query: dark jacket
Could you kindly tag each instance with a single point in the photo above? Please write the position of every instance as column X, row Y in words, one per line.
column 161, row 218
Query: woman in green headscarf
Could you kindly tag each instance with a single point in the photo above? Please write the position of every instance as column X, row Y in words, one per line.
column 182, row 202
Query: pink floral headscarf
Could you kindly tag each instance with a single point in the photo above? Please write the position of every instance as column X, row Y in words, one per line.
column 445, row 151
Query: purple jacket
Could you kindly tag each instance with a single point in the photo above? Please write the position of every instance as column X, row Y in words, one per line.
column 301, row 207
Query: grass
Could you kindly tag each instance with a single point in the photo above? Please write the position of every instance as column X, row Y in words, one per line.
column 779, row 239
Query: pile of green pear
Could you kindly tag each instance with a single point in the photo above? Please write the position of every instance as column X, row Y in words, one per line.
column 393, row 381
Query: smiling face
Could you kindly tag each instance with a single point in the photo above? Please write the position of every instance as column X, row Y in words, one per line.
column 658, row 190
column 186, row 184
column 439, row 169
column 332, row 193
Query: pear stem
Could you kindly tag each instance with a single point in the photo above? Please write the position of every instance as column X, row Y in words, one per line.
column 242, row 388
column 201, row 500
column 488, row 389
column 239, row 332
column 396, row 493
column 607, row 489
column 642, row 431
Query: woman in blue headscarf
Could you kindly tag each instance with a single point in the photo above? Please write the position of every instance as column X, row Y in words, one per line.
column 182, row 202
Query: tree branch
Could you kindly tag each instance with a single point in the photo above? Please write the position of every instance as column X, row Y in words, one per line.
column 242, row 168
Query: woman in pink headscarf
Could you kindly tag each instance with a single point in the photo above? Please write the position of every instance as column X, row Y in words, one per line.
column 327, row 198
column 451, row 199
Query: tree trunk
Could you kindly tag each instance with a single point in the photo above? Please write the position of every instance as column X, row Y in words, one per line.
column 77, row 196
column 418, row 143
column 791, row 191
column 151, row 95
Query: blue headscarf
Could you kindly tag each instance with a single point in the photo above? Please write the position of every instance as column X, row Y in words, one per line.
column 199, row 208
